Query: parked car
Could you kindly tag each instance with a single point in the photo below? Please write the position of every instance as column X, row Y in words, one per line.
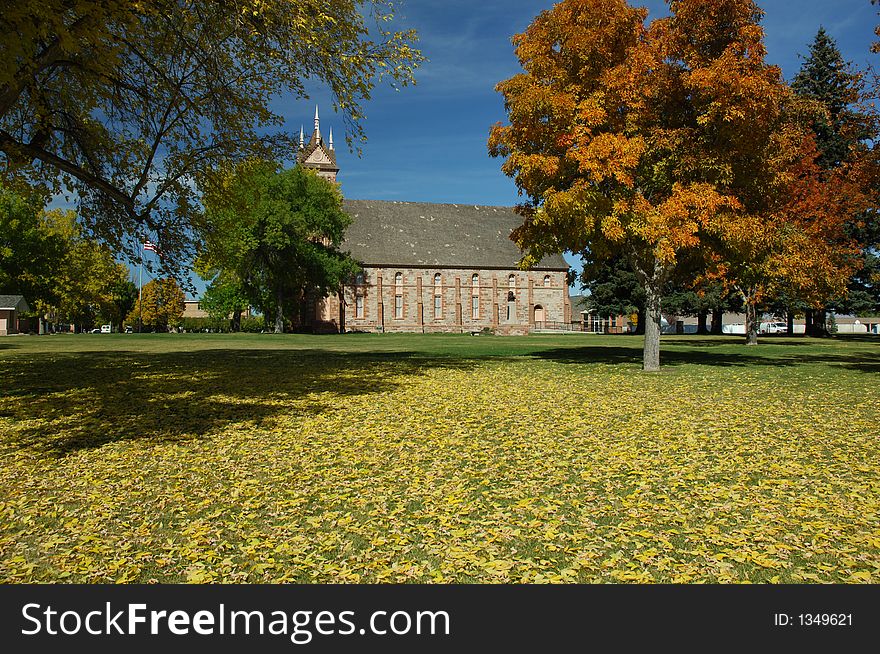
column 773, row 328
column 96, row 330
column 106, row 329
column 129, row 329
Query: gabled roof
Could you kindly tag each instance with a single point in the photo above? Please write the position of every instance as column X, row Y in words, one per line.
column 421, row 234
column 325, row 162
column 579, row 304
column 13, row 303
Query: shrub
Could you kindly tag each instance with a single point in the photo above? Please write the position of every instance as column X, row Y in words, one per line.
column 253, row 325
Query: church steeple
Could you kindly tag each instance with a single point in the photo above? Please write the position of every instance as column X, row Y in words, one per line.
column 317, row 155
column 317, row 135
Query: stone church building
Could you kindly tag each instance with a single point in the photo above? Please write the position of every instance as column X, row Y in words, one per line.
column 435, row 267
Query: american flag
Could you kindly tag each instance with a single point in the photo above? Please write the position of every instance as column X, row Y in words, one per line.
column 150, row 246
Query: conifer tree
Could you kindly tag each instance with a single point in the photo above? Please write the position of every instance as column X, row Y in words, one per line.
column 827, row 79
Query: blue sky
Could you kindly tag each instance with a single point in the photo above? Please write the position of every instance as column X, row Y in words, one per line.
column 427, row 143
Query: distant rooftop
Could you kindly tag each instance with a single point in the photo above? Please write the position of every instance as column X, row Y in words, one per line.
column 14, row 303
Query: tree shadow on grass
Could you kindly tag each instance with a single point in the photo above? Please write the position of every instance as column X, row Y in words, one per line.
column 736, row 339
column 860, row 361
column 66, row 403
column 63, row 403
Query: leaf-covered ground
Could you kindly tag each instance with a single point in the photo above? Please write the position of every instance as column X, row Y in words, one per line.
column 437, row 459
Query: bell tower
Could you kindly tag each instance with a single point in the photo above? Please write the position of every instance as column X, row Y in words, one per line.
column 316, row 154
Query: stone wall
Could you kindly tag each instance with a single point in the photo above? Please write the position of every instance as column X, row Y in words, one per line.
column 408, row 305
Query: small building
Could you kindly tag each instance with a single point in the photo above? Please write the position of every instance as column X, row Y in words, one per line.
column 11, row 306
column 585, row 319
column 193, row 309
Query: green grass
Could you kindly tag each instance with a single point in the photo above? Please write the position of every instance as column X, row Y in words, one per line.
column 403, row 458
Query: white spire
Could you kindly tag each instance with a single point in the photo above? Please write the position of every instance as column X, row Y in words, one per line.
column 301, row 138
column 331, row 138
column 317, row 123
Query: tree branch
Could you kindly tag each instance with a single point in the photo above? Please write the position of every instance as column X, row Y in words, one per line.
column 9, row 93
column 14, row 148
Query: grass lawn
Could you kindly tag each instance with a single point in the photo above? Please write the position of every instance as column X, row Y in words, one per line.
column 403, row 458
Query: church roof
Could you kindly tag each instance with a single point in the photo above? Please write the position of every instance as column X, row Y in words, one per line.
column 429, row 235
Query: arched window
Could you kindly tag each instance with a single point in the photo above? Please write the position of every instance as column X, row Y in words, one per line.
column 359, row 279
column 398, row 296
column 475, row 297
column 511, row 281
column 511, row 305
column 546, row 281
column 359, row 304
column 438, row 297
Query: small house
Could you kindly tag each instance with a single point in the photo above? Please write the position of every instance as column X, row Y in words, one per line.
column 11, row 307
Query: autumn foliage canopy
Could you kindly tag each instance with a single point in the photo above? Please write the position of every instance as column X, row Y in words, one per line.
column 665, row 141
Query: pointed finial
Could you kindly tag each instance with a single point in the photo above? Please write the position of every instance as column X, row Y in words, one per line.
column 317, row 123
column 301, row 138
column 331, row 138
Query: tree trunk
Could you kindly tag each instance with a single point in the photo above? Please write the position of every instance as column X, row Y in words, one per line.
column 702, row 319
column 751, row 322
column 808, row 322
column 279, row 311
column 717, row 322
column 651, row 357
column 789, row 323
column 820, row 317
column 236, row 320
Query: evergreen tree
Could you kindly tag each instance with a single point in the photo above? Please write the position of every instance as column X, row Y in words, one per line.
column 828, row 80
column 614, row 290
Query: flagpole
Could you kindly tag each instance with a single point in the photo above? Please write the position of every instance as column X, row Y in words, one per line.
column 140, row 287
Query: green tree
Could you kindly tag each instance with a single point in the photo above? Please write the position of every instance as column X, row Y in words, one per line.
column 614, row 289
column 85, row 279
column 224, row 297
column 128, row 102
column 123, row 297
column 278, row 234
column 160, row 306
column 29, row 254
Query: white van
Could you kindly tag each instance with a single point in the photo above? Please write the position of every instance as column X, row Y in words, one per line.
column 773, row 328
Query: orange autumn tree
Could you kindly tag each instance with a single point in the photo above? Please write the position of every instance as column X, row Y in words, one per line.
column 799, row 245
column 642, row 140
